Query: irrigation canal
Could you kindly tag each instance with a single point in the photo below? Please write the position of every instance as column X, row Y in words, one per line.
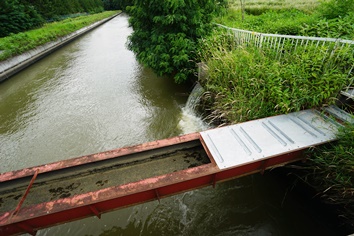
column 92, row 96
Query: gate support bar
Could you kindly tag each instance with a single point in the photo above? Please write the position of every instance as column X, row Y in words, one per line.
column 95, row 211
column 26, row 193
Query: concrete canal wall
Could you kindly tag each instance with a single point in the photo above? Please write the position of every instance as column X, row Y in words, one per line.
column 15, row 64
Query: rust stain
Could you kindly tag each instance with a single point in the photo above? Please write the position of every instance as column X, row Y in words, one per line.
column 98, row 157
column 154, row 184
column 108, row 193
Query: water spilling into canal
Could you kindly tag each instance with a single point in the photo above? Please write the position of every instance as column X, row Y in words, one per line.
column 92, row 96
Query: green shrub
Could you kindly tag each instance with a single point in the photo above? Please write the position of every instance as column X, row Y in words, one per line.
column 50, row 9
column 336, row 8
column 15, row 44
column 116, row 4
column 333, row 28
column 16, row 17
column 21, row 15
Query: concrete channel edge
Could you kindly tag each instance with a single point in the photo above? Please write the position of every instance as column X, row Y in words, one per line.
column 17, row 63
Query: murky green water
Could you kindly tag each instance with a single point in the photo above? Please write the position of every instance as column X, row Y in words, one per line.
column 92, row 96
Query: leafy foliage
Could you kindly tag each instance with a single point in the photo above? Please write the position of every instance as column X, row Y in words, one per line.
column 16, row 17
column 116, row 4
column 245, row 84
column 330, row 171
column 166, row 33
column 53, row 8
column 18, row 43
column 21, row 15
column 334, row 19
column 336, row 8
column 332, row 28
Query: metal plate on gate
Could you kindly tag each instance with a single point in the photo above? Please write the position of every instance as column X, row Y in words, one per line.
column 251, row 141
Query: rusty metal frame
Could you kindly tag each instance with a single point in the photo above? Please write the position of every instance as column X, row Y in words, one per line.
column 32, row 218
column 26, row 193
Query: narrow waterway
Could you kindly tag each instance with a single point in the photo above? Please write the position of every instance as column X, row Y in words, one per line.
column 92, row 95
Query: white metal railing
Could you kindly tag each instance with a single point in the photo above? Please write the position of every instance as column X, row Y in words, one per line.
column 277, row 42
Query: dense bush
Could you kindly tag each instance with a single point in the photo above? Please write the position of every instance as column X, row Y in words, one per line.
column 54, row 8
column 166, row 33
column 329, row 171
column 116, row 4
column 16, row 17
column 336, row 8
column 335, row 20
column 332, row 28
column 21, row 15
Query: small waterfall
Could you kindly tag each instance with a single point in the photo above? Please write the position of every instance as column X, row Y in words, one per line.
column 190, row 122
column 194, row 97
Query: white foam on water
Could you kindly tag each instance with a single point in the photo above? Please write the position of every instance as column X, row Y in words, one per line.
column 190, row 122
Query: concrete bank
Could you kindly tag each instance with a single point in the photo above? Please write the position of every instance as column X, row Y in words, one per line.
column 17, row 63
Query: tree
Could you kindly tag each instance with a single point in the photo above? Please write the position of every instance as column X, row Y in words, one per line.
column 21, row 15
column 116, row 4
column 16, row 16
column 166, row 33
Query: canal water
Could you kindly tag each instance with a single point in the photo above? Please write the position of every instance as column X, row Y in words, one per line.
column 91, row 96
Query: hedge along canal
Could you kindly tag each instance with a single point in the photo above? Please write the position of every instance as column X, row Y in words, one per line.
column 14, row 64
column 92, row 95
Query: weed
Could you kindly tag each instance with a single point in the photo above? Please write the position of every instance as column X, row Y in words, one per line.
column 246, row 83
column 330, row 170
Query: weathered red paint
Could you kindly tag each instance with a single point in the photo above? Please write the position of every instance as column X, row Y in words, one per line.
column 26, row 193
column 97, row 157
column 30, row 219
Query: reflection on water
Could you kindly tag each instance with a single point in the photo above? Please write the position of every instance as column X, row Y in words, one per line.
column 92, row 96
column 19, row 96
column 169, row 112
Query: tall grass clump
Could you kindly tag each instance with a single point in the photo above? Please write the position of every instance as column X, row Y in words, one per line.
column 330, row 171
column 16, row 44
column 332, row 9
column 246, row 82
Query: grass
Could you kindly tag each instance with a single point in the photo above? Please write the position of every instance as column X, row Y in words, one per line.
column 330, row 170
column 247, row 83
column 16, row 44
column 259, row 6
column 288, row 17
column 336, row 163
